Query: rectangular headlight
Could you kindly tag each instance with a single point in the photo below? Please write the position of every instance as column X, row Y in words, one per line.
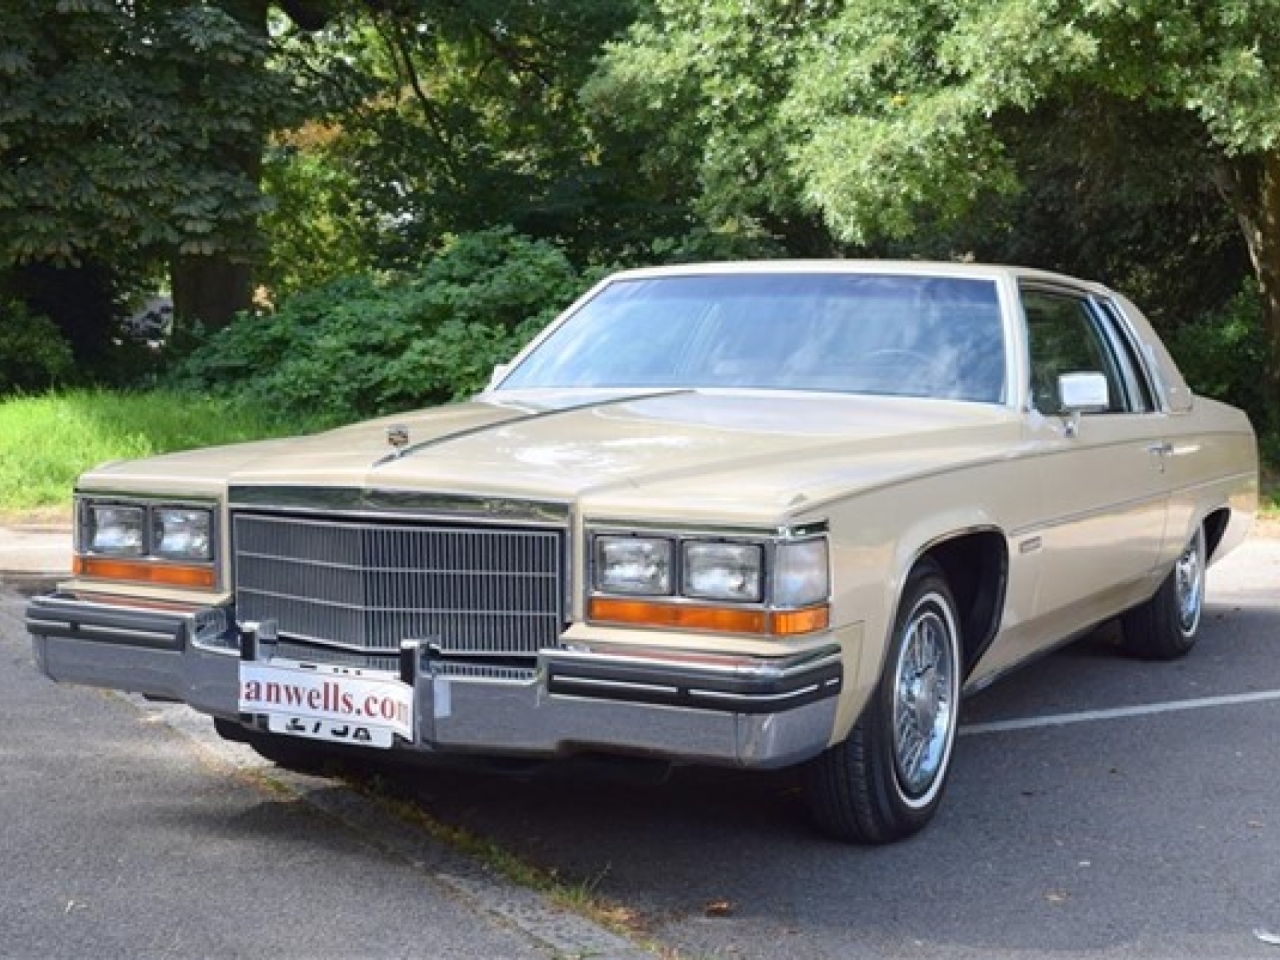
column 723, row 571
column 181, row 533
column 802, row 573
column 633, row 565
column 115, row 530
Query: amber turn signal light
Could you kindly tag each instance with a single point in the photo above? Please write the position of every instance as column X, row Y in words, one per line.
column 160, row 574
column 646, row 613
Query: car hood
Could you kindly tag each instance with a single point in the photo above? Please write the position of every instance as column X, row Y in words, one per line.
column 740, row 454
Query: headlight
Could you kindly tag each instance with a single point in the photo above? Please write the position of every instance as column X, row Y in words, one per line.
column 181, row 533
column 134, row 539
column 633, row 565
column 801, row 573
column 723, row 571
column 115, row 530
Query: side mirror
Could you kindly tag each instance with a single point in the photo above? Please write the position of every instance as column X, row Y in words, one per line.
column 1083, row 393
column 1080, row 393
column 499, row 371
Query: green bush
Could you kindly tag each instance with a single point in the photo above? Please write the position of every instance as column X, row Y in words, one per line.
column 371, row 344
column 1223, row 355
column 33, row 354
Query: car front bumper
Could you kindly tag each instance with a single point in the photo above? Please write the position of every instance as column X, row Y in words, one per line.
column 745, row 711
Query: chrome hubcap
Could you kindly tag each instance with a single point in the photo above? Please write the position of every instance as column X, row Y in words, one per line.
column 924, row 701
column 1189, row 585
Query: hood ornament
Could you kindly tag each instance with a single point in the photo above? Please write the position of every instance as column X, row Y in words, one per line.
column 398, row 437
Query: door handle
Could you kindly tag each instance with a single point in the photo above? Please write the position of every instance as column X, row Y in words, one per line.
column 1162, row 450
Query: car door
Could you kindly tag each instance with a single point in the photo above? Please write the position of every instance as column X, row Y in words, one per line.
column 1101, row 474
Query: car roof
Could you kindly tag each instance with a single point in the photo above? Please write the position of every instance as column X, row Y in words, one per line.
column 919, row 268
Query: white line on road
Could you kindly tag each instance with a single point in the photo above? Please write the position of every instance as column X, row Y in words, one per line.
column 1119, row 713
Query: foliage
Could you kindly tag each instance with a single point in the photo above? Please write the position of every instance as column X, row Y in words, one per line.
column 366, row 344
column 450, row 118
column 123, row 129
column 703, row 86
column 33, row 355
column 1221, row 352
column 875, row 113
column 47, row 441
column 313, row 232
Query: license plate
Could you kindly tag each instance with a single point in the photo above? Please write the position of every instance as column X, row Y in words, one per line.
column 326, row 702
column 330, row 730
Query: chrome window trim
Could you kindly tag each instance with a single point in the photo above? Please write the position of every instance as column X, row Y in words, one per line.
column 1150, row 369
column 1129, row 357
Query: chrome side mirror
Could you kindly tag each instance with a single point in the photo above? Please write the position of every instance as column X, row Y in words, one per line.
column 1081, row 393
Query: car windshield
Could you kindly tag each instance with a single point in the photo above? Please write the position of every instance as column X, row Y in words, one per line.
column 850, row 333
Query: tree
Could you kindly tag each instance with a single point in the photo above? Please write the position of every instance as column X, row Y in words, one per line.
column 887, row 114
column 444, row 118
column 130, row 136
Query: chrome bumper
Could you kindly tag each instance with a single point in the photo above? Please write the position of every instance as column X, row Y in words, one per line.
column 750, row 712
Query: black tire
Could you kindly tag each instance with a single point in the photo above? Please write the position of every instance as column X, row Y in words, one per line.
column 290, row 753
column 1166, row 626
column 875, row 787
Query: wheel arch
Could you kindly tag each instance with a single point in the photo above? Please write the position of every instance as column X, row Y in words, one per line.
column 1215, row 528
column 976, row 566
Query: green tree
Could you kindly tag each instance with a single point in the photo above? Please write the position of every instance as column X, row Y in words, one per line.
column 448, row 118
column 130, row 138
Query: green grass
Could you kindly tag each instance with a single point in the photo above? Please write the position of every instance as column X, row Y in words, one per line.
column 47, row 441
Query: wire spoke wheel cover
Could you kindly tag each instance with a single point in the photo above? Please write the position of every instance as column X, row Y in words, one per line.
column 1189, row 584
column 924, row 700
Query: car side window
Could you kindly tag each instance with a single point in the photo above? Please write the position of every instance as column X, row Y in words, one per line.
column 1065, row 335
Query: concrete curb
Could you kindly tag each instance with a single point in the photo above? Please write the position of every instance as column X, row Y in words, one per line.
column 34, row 554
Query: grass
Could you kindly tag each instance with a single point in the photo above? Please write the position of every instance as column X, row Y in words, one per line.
column 47, row 441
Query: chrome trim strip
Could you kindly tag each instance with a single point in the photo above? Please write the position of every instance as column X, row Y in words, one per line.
column 1082, row 515
column 611, row 525
column 773, row 668
column 390, row 503
column 733, row 698
column 516, row 421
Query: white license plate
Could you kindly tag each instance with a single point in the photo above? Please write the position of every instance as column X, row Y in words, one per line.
column 326, row 702
column 330, row 730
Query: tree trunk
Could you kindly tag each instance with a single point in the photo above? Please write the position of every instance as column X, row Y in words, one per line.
column 1252, row 185
column 210, row 289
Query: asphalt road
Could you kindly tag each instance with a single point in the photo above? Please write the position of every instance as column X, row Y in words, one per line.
column 1100, row 808
column 128, row 830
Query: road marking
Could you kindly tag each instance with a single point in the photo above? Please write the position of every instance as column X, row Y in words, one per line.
column 1119, row 713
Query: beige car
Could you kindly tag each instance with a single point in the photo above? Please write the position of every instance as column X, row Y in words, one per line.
column 749, row 514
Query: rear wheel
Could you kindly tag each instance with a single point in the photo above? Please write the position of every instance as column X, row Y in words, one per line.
column 1165, row 627
column 885, row 781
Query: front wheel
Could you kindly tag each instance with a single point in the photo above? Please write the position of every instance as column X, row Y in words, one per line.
column 885, row 781
column 1165, row 627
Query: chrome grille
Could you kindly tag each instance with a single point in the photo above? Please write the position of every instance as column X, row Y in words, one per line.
column 366, row 585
